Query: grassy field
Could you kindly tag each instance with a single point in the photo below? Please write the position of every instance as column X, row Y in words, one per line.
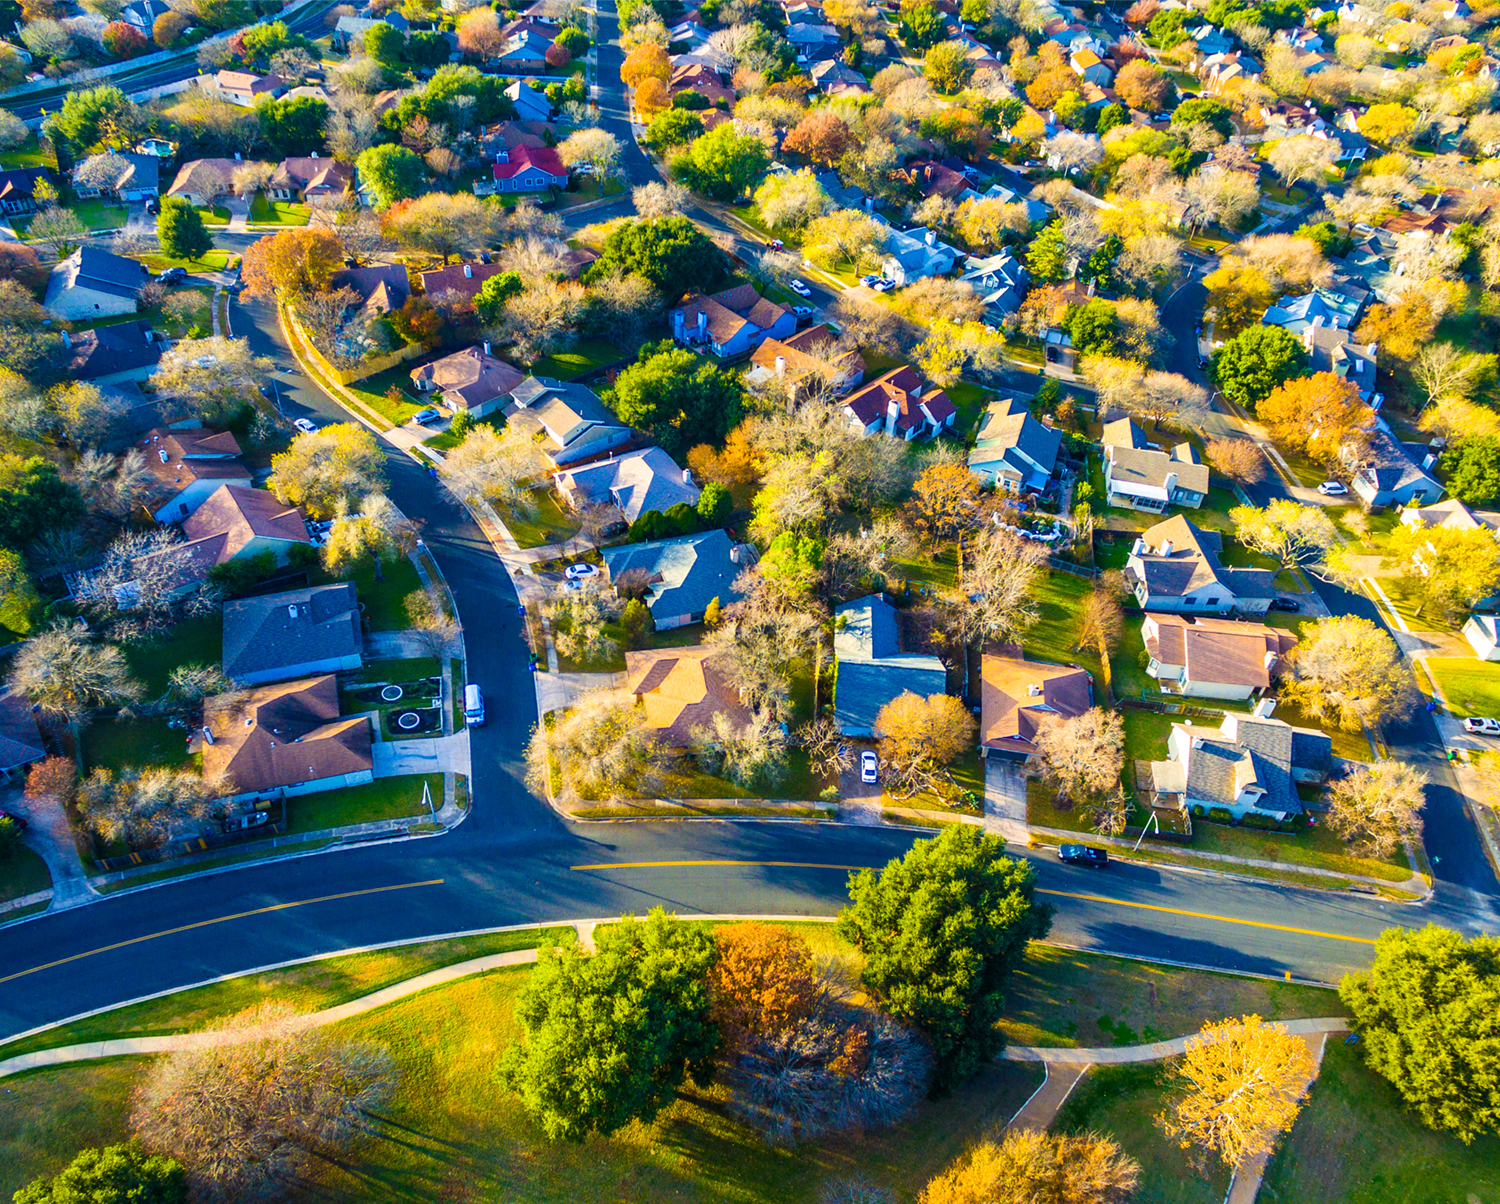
column 1471, row 687
column 280, row 213
column 212, row 261
column 198, row 641
column 125, row 743
column 385, row 600
column 1355, row 1143
column 551, row 522
column 99, row 214
column 29, row 154
column 215, row 216
column 372, row 391
column 1052, row 637
column 580, row 358
column 382, row 799
column 22, row 873
column 687, row 781
column 1316, row 848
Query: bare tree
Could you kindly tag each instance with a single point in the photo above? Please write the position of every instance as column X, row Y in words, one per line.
column 747, row 754
column 921, row 737
column 756, row 647
column 427, row 614
column 145, row 808
column 248, row 1111
column 1238, row 459
column 998, row 582
column 69, row 674
column 1348, row 672
column 1377, row 808
column 600, row 749
column 660, row 200
column 1081, row 757
column 146, row 581
column 827, row 748
column 496, row 468
column 579, row 618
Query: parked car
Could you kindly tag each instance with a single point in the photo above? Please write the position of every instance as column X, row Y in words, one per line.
column 578, row 572
column 1290, row 605
column 423, row 417
column 306, row 425
column 1483, row 727
column 1203, row 361
column 869, row 767
column 1082, row 854
column 777, row 245
column 869, row 281
column 251, row 819
column 1333, row 488
column 172, row 275
column 153, row 206
column 800, row 289
column 802, row 311
column 883, row 285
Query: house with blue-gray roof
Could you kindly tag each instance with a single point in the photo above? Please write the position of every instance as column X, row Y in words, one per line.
column 872, row 669
column 1321, row 307
column 1012, row 450
column 685, row 574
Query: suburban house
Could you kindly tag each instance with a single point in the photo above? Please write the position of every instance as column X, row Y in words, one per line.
column 872, row 669
column 471, row 379
column 242, row 88
column 679, row 689
column 457, row 281
column 20, row 739
column 1452, row 514
column 916, row 254
column 833, row 78
column 1323, row 306
column 233, row 524
column 686, row 574
column 1089, row 66
column 528, row 169
column 118, row 352
column 531, row 103
column 281, row 741
column 91, row 283
column 1483, row 634
column 139, row 177
column 201, row 182
column 1252, row 763
column 524, row 54
column 1201, row 657
column 900, row 404
column 352, row 29
column 1019, row 697
column 292, row 634
column 1140, row 477
column 810, row 355
column 308, row 176
column 1174, row 566
column 142, row 14
column 635, row 483
column 380, row 288
column 730, row 323
column 1012, row 450
column 1386, row 472
column 190, row 466
column 18, row 188
column 567, row 419
column 1000, row 281
column 1332, row 349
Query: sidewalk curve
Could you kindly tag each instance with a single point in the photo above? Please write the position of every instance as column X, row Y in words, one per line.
column 1156, row 1050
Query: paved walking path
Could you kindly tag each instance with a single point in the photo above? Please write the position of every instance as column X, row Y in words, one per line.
column 1247, row 1176
column 50, row 837
column 1115, row 1055
column 1046, row 1102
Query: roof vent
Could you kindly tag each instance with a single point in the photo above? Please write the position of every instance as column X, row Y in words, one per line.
column 468, row 271
column 291, row 610
column 162, row 452
column 1166, row 548
column 1034, row 690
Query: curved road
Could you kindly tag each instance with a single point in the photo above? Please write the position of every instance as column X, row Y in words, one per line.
column 514, row 861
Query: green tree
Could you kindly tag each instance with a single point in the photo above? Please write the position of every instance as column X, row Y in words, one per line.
column 1253, row 363
column 102, row 116
column 1101, row 264
column 1328, row 238
column 722, row 164
column 180, row 229
column 1094, row 327
column 34, row 498
column 573, row 40
column 680, row 399
column 716, row 505
column 294, row 125
column 1047, row 258
column 385, row 44
column 670, row 252
column 1473, row 469
column 790, row 565
column 941, row 930
column 637, row 623
column 117, row 1174
column 673, row 127
column 392, row 173
column 18, row 597
column 946, row 66
column 262, row 41
column 610, row 1037
column 1428, row 1015
column 489, row 302
column 1205, row 110
column 921, row 24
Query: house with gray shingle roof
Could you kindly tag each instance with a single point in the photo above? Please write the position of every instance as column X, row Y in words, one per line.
column 872, row 668
column 292, row 634
column 567, row 419
column 1251, row 764
column 1012, row 450
column 1387, row 472
column 1141, row 477
column 91, row 283
column 685, row 574
column 636, row 483
column 20, row 740
column 1174, row 566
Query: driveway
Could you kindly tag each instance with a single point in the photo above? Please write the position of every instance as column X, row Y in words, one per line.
column 859, row 802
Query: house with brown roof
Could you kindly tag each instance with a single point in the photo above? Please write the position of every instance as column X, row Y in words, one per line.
column 809, row 355
column 1213, row 658
column 935, row 179
column 730, row 323
column 458, row 282
column 678, row 689
column 201, row 182
column 307, row 176
column 381, row 288
column 471, row 379
column 900, row 404
column 190, row 466
column 281, row 741
column 233, row 524
column 243, row 88
column 705, row 81
column 1019, row 698
column 1140, row 476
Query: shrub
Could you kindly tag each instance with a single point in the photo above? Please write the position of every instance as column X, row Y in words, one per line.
column 1220, row 815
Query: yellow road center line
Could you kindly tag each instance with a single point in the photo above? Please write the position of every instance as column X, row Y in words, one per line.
column 1061, row 894
column 240, row 915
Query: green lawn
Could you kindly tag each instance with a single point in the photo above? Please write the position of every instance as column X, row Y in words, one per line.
column 372, row 391
column 22, row 873
column 412, row 669
column 212, row 261
column 197, row 641
column 202, row 315
column 32, row 154
column 134, row 743
column 1122, row 1102
column 281, row 213
column 1472, row 687
column 687, row 781
column 1355, row 1143
column 580, row 358
column 938, row 572
column 1316, row 848
column 968, row 775
column 970, row 401
column 589, row 191
column 216, row 216
column 1059, row 596
column 99, row 214
column 1127, row 677
column 1352, row 745
column 551, row 522
column 384, row 798
column 1146, row 735
column 384, row 601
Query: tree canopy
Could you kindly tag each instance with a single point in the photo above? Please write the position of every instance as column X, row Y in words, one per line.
column 117, row 1174
column 392, row 173
column 1253, row 363
column 180, row 229
column 679, row 398
column 667, row 251
column 722, row 164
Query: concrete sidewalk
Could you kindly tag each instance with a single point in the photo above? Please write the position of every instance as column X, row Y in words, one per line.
column 438, row 754
column 1119, row 1055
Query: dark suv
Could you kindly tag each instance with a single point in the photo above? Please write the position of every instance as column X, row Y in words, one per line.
column 1082, row 854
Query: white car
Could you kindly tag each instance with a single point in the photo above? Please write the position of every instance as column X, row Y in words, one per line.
column 883, row 285
column 869, row 281
column 577, row 572
column 802, row 311
column 869, row 767
column 1483, row 727
column 304, row 424
column 1333, row 488
column 800, row 289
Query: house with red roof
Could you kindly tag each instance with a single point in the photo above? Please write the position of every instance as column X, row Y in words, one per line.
column 902, row 405
column 529, row 169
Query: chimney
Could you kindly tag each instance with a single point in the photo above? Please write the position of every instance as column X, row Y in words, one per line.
column 702, row 322
column 1170, row 484
column 1138, row 546
column 1270, row 660
column 1093, row 284
column 468, row 271
column 932, row 238
column 677, row 324
column 486, row 347
column 781, row 365
column 66, row 338
column 236, row 156
column 291, row 610
column 1265, row 706
column 208, row 734
column 734, row 554
column 1034, row 690
column 162, row 452
column 315, row 154
column 687, row 476
column 1166, row 548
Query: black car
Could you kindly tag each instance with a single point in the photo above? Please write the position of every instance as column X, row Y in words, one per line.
column 1290, row 605
column 1082, row 854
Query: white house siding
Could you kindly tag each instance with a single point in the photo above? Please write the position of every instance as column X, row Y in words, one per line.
column 306, row 669
column 334, row 783
column 1214, row 689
